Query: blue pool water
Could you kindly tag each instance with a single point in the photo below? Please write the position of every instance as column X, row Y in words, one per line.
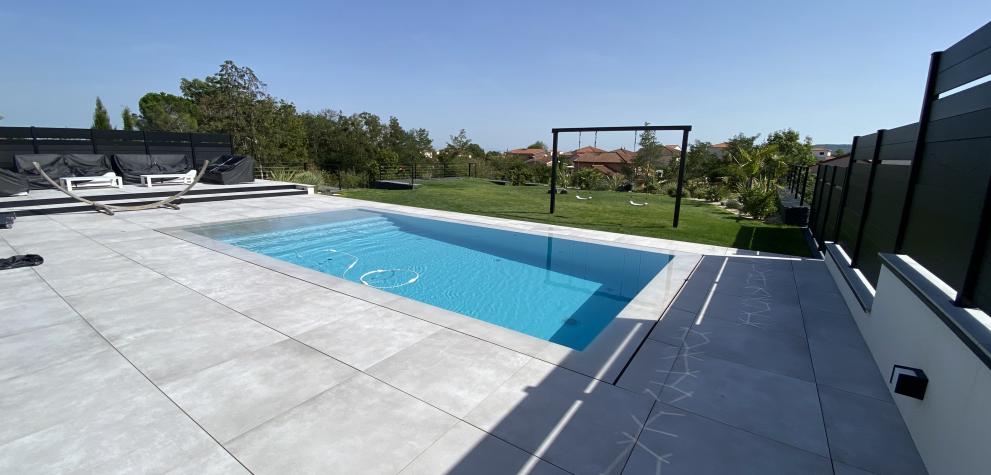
column 556, row 289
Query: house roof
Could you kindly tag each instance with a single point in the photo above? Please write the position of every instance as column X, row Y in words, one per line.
column 587, row 149
column 615, row 156
column 527, row 151
column 720, row 145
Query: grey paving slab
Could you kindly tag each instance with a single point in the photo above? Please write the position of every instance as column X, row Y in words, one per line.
column 30, row 311
column 363, row 339
column 360, row 426
column 165, row 353
column 761, row 311
column 840, row 356
column 868, row 433
column 677, row 442
column 79, row 386
column 649, row 368
column 239, row 394
column 573, row 422
column 467, row 450
column 692, row 295
column 759, row 347
column 450, row 370
column 673, row 326
column 775, row 406
column 308, row 311
column 36, row 349
column 840, row 468
column 144, row 433
column 823, row 301
column 216, row 461
column 83, row 276
column 15, row 283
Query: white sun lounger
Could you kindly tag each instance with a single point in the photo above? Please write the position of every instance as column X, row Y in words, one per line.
column 186, row 178
column 107, row 179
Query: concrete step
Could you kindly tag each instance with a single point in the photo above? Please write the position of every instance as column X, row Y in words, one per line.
column 132, row 200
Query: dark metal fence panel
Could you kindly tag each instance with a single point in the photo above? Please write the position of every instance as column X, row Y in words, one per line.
column 209, row 146
column 14, row 141
column 55, row 140
column 837, row 179
column 169, row 142
column 953, row 178
column 967, row 60
column 110, row 142
column 853, row 209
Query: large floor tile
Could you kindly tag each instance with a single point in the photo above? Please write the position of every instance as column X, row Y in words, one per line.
column 759, row 347
column 78, row 386
column 775, row 406
column 756, row 311
column 360, row 426
column 673, row 326
column 465, row 450
column 363, row 339
column 36, row 349
column 823, row 301
column 848, row 367
column 174, row 351
column 450, row 370
column 18, row 315
column 677, row 442
column 142, row 434
column 565, row 418
column 308, row 311
column 235, row 396
column 868, row 433
column 649, row 368
column 215, row 461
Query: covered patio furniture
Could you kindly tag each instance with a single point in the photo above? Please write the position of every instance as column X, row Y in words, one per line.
column 132, row 166
column 51, row 163
column 12, row 183
column 230, row 170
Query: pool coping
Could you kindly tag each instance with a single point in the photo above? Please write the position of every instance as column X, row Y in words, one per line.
column 603, row 359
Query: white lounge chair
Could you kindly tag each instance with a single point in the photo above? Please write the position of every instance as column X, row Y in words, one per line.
column 107, row 179
column 186, row 178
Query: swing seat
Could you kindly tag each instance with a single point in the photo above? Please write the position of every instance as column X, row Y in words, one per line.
column 638, row 204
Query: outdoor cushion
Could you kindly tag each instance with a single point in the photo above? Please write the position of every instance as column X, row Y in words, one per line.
column 87, row 164
column 53, row 165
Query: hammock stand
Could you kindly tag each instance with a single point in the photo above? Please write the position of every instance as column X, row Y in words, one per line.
column 111, row 209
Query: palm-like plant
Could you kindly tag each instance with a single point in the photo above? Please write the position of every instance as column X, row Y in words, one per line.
column 761, row 161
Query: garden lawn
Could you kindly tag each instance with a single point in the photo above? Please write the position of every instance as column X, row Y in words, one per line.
column 606, row 211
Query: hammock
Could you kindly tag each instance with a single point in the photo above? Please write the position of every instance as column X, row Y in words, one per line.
column 111, row 209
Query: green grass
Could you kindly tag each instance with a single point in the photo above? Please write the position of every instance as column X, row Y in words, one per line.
column 606, row 211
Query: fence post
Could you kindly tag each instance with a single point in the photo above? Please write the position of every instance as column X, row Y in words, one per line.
column 868, row 196
column 144, row 140
column 920, row 142
column 816, row 202
column 805, row 184
column 34, row 140
column 846, row 188
column 92, row 140
column 681, row 177
column 554, row 171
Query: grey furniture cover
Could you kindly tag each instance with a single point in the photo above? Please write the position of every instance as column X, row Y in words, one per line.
column 230, row 170
column 87, row 164
column 131, row 166
column 51, row 163
column 12, row 183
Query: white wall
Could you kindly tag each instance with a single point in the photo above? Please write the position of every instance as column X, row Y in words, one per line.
column 952, row 425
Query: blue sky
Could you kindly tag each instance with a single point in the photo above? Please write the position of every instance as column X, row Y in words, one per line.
column 506, row 71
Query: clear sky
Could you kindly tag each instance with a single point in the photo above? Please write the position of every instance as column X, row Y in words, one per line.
column 506, row 71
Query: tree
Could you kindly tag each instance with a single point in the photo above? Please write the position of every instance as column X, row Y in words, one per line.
column 648, row 157
column 701, row 162
column 163, row 112
column 790, row 146
column 538, row 144
column 127, row 119
column 457, row 149
column 101, row 120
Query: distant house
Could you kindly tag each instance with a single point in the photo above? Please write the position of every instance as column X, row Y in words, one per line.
column 719, row 150
column 613, row 162
column 531, row 155
column 822, row 153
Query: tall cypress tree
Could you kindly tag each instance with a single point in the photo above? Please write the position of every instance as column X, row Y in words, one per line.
column 127, row 118
column 101, row 120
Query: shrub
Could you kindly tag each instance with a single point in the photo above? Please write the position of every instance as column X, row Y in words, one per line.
column 732, row 203
column 672, row 190
column 759, row 200
column 715, row 192
column 309, row 178
column 349, row 179
column 650, row 185
column 589, row 179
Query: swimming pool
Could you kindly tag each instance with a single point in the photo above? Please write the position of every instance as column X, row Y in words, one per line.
column 560, row 290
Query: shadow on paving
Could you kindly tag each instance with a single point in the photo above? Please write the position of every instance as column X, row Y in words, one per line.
column 732, row 392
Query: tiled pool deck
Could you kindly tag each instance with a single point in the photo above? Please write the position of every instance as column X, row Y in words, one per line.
column 133, row 351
